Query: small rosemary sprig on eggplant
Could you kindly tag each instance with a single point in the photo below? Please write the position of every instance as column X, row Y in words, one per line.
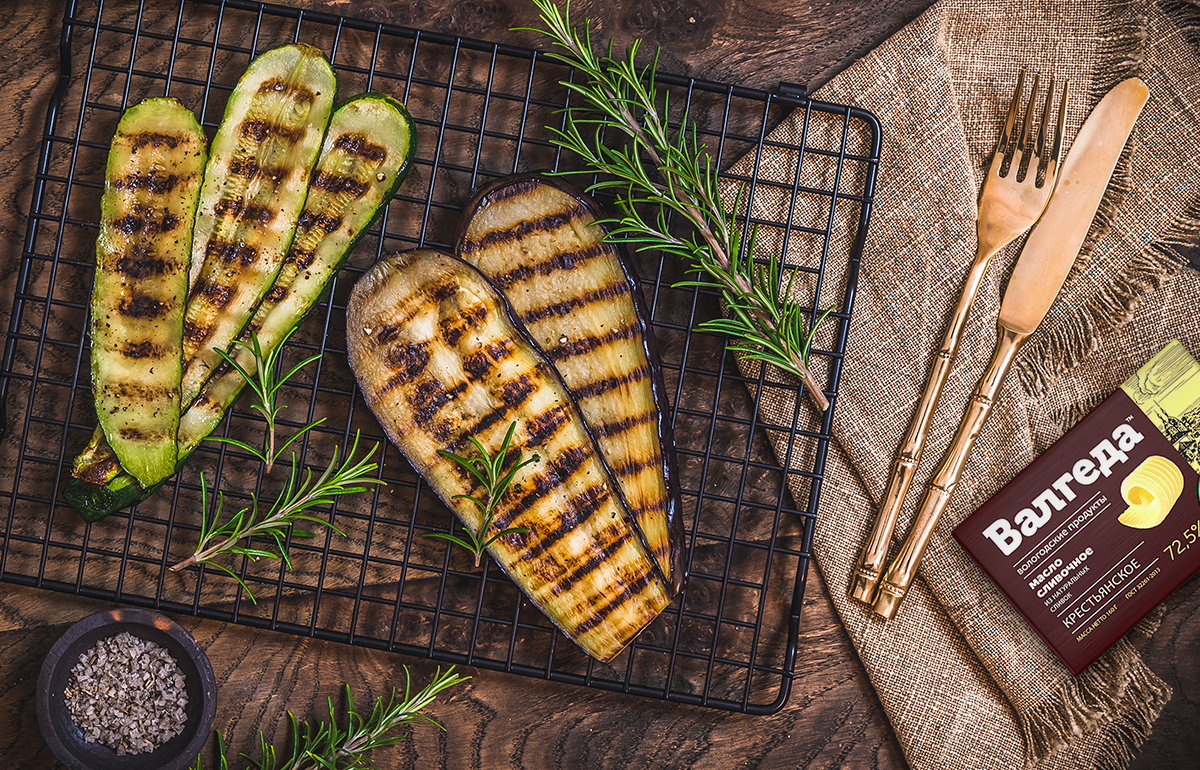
column 301, row 492
column 674, row 174
column 488, row 470
column 328, row 746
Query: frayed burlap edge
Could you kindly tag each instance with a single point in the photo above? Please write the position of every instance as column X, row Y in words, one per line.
column 1089, row 701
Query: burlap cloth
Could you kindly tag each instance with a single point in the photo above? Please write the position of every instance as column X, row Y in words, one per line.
column 963, row 680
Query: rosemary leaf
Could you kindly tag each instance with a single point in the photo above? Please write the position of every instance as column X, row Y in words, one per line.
column 327, row 745
column 488, row 470
column 675, row 175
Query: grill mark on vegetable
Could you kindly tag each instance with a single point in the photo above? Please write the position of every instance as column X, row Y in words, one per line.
column 131, row 391
column 258, row 130
column 426, row 399
column 517, row 188
column 139, row 264
column 544, row 426
column 454, row 327
column 598, row 614
column 301, row 258
column 563, row 261
column 588, row 344
column 308, row 220
column 410, row 359
column 443, row 290
column 608, row 383
column 577, row 510
column 524, row 228
column 140, row 305
column 217, row 295
column 478, row 364
column 574, row 303
column 137, row 434
column 292, row 91
column 155, row 183
column 558, row 470
column 140, row 140
column 620, row 426
column 249, row 168
column 244, row 211
column 635, row 465
column 276, row 294
column 358, row 145
column 336, row 184
column 139, row 350
column 142, row 220
column 196, row 333
column 225, row 252
column 600, row 556
column 517, row 392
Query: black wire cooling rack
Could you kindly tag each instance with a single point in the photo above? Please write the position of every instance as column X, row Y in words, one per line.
column 750, row 486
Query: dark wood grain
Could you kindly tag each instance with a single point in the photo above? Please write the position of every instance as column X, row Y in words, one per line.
column 833, row 719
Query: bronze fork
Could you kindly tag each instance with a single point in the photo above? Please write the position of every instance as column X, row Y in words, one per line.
column 1015, row 191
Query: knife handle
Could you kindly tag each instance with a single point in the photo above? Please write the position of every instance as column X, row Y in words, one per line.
column 869, row 568
column 941, row 487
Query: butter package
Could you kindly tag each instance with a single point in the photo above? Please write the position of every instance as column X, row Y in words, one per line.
column 1106, row 522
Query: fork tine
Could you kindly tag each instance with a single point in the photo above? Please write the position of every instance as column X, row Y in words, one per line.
column 1006, row 132
column 1058, row 131
column 1026, row 143
column 1040, row 147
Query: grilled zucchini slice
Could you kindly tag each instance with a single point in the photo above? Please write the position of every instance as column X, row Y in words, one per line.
column 254, row 189
column 155, row 166
column 440, row 359
column 538, row 242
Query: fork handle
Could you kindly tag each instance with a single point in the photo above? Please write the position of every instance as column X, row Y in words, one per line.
column 864, row 581
column 941, row 487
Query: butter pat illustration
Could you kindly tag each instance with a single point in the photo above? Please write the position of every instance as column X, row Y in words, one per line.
column 1151, row 492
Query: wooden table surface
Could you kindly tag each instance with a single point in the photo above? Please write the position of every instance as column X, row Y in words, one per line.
column 833, row 719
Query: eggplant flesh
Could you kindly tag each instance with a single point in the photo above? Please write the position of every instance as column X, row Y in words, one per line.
column 539, row 243
column 439, row 359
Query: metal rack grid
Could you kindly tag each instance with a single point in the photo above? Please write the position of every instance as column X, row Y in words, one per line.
column 730, row 641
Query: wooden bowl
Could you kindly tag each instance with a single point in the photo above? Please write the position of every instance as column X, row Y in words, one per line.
column 66, row 739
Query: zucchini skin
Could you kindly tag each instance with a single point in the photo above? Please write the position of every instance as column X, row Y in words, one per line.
column 538, row 240
column 258, row 176
column 439, row 358
column 152, row 183
column 378, row 115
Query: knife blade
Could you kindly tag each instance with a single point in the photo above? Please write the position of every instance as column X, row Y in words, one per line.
column 1036, row 280
column 1057, row 237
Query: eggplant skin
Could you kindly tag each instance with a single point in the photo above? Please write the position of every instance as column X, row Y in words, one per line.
column 439, row 358
column 538, row 241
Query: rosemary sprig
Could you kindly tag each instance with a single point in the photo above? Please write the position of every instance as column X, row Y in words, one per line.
column 675, row 175
column 294, row 504
column 326, row 746
column 266, row 382
column 487, row 469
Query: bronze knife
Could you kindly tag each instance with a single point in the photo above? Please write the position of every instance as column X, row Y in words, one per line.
column 1036, row 280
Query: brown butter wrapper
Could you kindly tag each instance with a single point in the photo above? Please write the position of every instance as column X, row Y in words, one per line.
column 1101, row 527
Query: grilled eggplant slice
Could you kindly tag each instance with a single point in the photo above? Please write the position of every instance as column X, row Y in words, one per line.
column 439, row 358
column 539, row 243
column 155, row 166
column 366, row 154
column 254, row 189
